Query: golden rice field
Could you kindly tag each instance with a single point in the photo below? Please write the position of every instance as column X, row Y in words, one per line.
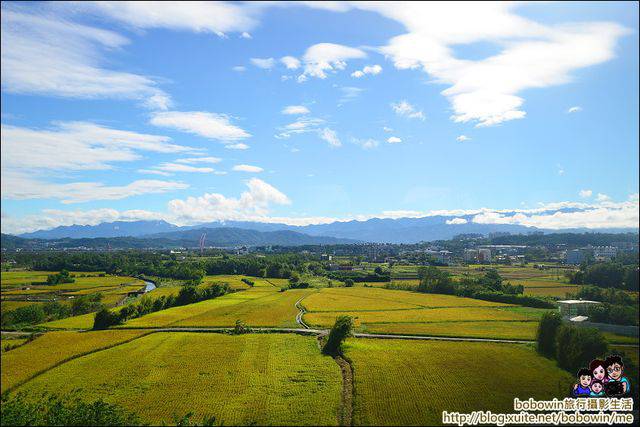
column 235, row 281
column 257, row 306
column 52, row 348
column 494, row 329
column 458, row 314
column 12, row 279
column 560, row 291
column 357, row 298
column 258, row 379
column 400, row 382
column 84, row 321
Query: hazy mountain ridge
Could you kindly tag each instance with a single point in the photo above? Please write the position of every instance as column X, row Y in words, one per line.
column 382, row 230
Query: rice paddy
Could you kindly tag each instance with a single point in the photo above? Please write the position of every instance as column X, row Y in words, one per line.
column 240, row 380
column 400, row 382
column 52, row 348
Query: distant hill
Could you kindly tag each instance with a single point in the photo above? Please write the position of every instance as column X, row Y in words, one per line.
column 219, row 237
column 238, row 236
column 105, row 229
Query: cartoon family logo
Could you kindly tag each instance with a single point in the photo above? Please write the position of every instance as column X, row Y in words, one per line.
column 602, row 378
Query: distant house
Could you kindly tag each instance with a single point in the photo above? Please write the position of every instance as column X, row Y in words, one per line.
column 574, row 307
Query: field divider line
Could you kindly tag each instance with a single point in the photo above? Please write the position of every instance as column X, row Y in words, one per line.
column 438, row 338
column 69, row 359
column 302, row 311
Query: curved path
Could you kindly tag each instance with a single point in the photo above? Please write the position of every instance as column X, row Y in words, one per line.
column 301, row 313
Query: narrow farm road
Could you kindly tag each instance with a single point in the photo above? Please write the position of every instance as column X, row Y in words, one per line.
column 301, row 313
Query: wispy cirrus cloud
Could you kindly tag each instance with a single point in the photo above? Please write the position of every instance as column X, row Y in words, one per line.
column 46, row 54
column 203, row 123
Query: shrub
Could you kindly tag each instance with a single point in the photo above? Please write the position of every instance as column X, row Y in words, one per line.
column 348, row 283
column 547, row 330
column 576, row 347
column 240, row 328
column 49, row 409
column 340, row 331
column 29, row 314
column 105, row 319
column 248, row 282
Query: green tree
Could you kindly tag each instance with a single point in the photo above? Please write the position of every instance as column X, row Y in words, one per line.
column 341, row 330
column 547, row 330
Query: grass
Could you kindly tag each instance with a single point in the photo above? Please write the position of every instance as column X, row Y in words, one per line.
column 52, row 348
column 619, row 339
column 353, row 299
column 500, row 330
column 241, row 380
column 560, row 291
column 258, row 306
column 421, row 315
column 410, row 383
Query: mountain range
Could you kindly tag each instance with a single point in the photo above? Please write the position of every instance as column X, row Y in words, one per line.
column 401, row 230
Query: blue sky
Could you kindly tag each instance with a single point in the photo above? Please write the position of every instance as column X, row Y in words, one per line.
column 307, row 113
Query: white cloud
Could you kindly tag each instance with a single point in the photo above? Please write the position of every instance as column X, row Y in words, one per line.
column 387, row 129
column 214, row 207
column 192, row 160
column 366, row 144
column 394, row 140
column 295, row 109
column 322, row 58
column 369, row 69
column 575, row 109
column 77, row 146
column 463, row 138
column 403, row 108
column 349, row 93
column 264, row 63
column 560, row 169
column 239, row 68
column 456, row 221
column 487, row 91
column 292, row 63
column 203, row 123
column 45, row 54
column 602, row 197
column 245, row 35
column 200, row 17
column 239, row 146
column 179, row 167
column 247, row 168
column 585, row 193
column 330, row 136
column 16, row 186
column 302, row 125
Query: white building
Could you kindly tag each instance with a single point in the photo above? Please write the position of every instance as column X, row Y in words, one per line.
column 574, row 307
column 604, row 253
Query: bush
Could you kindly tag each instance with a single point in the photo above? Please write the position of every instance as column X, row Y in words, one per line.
column 249, row 283
column 340, row 331
column 348, row 283
column 576, row 347
column 62, row 277
column 240, row 328
column 547, row 330
column 48, row 409
column 29, row 314
column 105, row 319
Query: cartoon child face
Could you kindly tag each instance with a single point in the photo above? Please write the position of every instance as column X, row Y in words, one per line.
column 596, row 387
column 615, row 371
column 599, row 373
column 585, row 380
